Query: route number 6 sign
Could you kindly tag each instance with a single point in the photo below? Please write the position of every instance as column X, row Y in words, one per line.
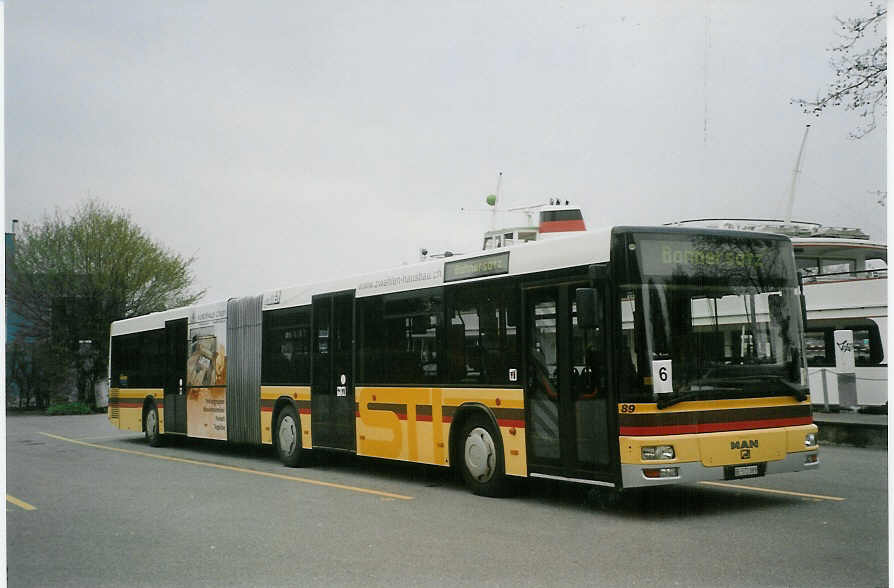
column 662, row 376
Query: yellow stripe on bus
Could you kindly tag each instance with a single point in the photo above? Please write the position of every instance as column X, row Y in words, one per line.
column 137, row 392
column 294, row 392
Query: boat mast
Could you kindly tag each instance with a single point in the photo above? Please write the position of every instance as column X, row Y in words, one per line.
column 791, row 195
column 495, row 203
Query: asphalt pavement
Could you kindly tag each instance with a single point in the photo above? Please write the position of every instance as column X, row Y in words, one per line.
column 89, row 505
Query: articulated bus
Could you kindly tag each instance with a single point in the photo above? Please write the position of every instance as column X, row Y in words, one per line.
column 626, row 357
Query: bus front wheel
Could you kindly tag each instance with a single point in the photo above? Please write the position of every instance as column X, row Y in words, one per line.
column 481, row 457
column 288, row 437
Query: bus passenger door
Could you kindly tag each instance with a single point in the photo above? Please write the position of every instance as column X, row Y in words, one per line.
column 333, row 410
column 175, row 376
column 566, row 388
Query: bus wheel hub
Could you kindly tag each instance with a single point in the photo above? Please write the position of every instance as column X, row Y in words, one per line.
column 480, row 454
column 287, row 435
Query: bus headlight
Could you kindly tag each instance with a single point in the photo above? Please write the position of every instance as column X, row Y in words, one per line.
column 809, row 439
column 652, row 452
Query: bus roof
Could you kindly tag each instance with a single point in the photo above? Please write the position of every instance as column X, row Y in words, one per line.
column 572, row 250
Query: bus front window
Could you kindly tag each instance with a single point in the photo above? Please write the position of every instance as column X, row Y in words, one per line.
column 711, row 318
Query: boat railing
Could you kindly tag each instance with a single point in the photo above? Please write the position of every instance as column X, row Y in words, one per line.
column 873, row 274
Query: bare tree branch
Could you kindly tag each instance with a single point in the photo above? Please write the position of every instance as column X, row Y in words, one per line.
column 861, row 75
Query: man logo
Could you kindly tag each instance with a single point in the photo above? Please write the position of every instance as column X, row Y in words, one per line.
column 743, row 444
column 746, row 454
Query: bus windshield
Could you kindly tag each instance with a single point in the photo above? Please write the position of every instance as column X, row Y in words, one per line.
column 710, row 317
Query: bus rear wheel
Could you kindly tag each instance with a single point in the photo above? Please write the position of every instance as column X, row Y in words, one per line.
column 481, row 457
column 150, row 426
column 288, row 437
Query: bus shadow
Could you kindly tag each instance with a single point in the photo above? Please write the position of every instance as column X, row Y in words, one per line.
column 667, row 502
column 645, row 504
column 316, row 461
column 209, row 447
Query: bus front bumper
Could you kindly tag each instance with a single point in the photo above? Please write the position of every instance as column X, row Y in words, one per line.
column 644, row 475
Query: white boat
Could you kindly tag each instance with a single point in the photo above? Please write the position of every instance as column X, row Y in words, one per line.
column 554, row 219
column 845, row 280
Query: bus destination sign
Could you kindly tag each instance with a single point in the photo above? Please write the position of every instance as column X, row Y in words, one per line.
column 467, row 269
column 666, row 257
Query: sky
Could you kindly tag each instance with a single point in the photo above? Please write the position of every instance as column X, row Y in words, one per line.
column 282, row 143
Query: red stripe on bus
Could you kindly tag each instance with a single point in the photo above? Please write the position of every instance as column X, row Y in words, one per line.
column 715, row 427
column 402, row 416
column 519, row 424
column 266, row 409
column 511, row 423
column 562, row 226
column 303, row 411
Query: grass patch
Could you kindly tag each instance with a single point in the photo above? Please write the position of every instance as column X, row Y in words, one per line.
column 68, row 408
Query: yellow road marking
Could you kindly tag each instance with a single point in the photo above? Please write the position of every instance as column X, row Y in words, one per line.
column 772, row 491
column 236, row 469
column 20, row 503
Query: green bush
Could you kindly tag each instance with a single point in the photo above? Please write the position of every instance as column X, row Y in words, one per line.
column 69, row 408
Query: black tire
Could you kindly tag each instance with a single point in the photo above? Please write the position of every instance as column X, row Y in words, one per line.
column 480, row 457
column 150, row 427
column 287, row 437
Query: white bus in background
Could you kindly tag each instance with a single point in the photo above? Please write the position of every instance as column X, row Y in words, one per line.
column 845, row 280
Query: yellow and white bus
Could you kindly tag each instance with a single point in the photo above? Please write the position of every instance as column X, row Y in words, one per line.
column 624, row 357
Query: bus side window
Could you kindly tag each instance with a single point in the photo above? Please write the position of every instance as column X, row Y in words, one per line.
column 286, row 346
column 399, row 338
column 634, row 383
column 488, row 349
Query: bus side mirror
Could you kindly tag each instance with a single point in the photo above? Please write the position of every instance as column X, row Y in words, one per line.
column 589, row 308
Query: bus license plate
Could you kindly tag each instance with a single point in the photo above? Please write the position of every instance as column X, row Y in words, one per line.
column 746, row 471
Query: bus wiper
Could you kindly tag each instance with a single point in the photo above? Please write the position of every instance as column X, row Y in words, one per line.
column 665, row 400
column 686, row 393
column 800, row 391
column 689, row 392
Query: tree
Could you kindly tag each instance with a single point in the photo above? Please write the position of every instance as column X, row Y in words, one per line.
column 37, row 370
column 861, row 71
column 71, row 276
